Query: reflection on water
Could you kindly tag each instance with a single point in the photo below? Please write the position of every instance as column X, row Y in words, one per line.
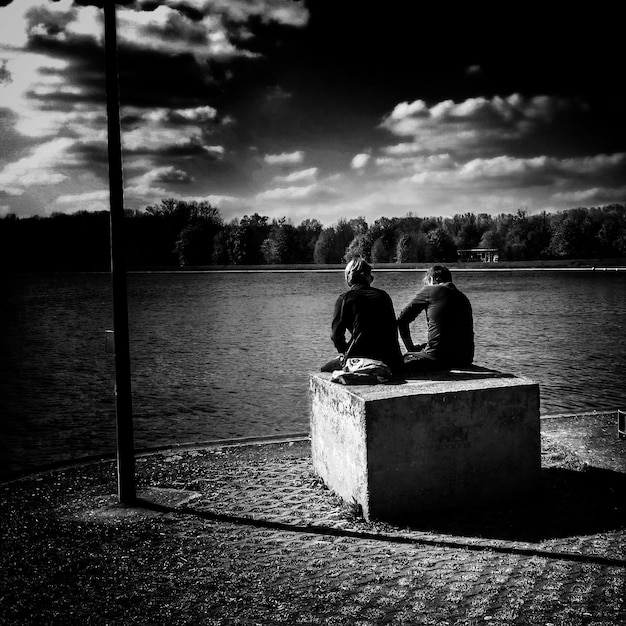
column 228, row 354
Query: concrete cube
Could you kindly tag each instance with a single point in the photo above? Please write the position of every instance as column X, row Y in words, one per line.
column 467, row 438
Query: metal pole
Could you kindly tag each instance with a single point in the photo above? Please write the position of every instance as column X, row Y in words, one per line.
column 124, row 410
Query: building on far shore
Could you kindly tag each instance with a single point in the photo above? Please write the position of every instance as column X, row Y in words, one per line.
column 484, row 255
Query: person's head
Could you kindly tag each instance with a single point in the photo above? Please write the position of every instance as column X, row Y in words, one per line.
column 437, row 274
column 358, row 272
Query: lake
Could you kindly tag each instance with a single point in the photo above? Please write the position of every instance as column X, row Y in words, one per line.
column 227, row 354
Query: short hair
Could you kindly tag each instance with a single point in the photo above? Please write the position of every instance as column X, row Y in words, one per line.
column 357, row 271
column 439, row 274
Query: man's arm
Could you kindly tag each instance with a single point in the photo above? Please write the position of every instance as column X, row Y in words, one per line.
column 407, row 315
column 405, row 335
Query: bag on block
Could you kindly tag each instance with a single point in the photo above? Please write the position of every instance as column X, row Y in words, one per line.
column 362, row 371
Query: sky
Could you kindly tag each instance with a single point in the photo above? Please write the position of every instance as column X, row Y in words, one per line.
column 315, row 108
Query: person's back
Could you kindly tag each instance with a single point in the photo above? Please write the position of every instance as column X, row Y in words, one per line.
column 367, row 314
column 450, row 324
column 449, row 320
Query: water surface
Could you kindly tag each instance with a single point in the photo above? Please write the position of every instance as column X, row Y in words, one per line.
column 220, row 355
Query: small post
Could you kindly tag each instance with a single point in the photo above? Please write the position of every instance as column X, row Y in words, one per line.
column 124, row 411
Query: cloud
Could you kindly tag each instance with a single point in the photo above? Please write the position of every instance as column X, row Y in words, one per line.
column 404, row 165
column 166, row 174
column 287, row 193
column 52, row 88
column 207, row 29
column 173, row 116
column 169, row 53
column 40, row 167
column 169, row 28
column 311, row 193
column 32, row 78
column 402, row 149
column 87, row 201
column 285, row 158
column 305, row 175
column 160, row 140
column 27, row 19
column 594, row 195
column 476, row 123
column 516, row 172
column 359, row 161
column 505, row 167
column 5, row 73
column 214, row 199
column 285, row 12
column 596, row 164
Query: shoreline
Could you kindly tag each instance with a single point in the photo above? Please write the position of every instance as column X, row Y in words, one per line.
column 586, row 265
column 615, row 269
column 581, row 265
column 65, row 464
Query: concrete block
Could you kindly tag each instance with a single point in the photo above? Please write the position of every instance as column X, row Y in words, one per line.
column 465, row 438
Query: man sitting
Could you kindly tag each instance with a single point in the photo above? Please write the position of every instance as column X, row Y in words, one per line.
column 450, row 325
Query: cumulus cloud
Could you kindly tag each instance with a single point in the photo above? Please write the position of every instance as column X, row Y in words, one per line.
column 87, row 201
column 27, row 19
column 215, row 29
column 594, row 195
column 403, row 149
column 168, row 141
column 40, row 167
column 214, row 199
column 596, row 164
column 286, row 12
column 287, row 193
column 285, row 158
column 170, row 133
column 359, row 161
column 306, row 175
column 174, row 116
column 87, row 123
column 503, row 166
column 518, row 172
column 476, row 122
column 311, row 193
column 31, row 77
column 166, row 174
column 406, row 164
column 204, row 28
column 167, row 27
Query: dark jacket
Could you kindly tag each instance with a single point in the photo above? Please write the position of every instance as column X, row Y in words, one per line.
column 450, row 323
column 367, row 314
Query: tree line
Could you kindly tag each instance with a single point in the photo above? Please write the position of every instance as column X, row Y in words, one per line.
column 180, row 233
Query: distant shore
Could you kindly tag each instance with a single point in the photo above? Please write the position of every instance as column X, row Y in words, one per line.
column 570, row 264
column 600, row 265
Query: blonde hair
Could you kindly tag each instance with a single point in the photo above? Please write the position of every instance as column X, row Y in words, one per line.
column 357, row 272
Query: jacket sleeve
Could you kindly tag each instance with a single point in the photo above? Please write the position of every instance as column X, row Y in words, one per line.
column 408, row 314
column 339, row 327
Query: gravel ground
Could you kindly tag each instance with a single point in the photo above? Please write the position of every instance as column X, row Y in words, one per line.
column 249, row 535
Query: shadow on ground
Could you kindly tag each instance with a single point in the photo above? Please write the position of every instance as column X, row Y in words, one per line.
column 568, row 503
